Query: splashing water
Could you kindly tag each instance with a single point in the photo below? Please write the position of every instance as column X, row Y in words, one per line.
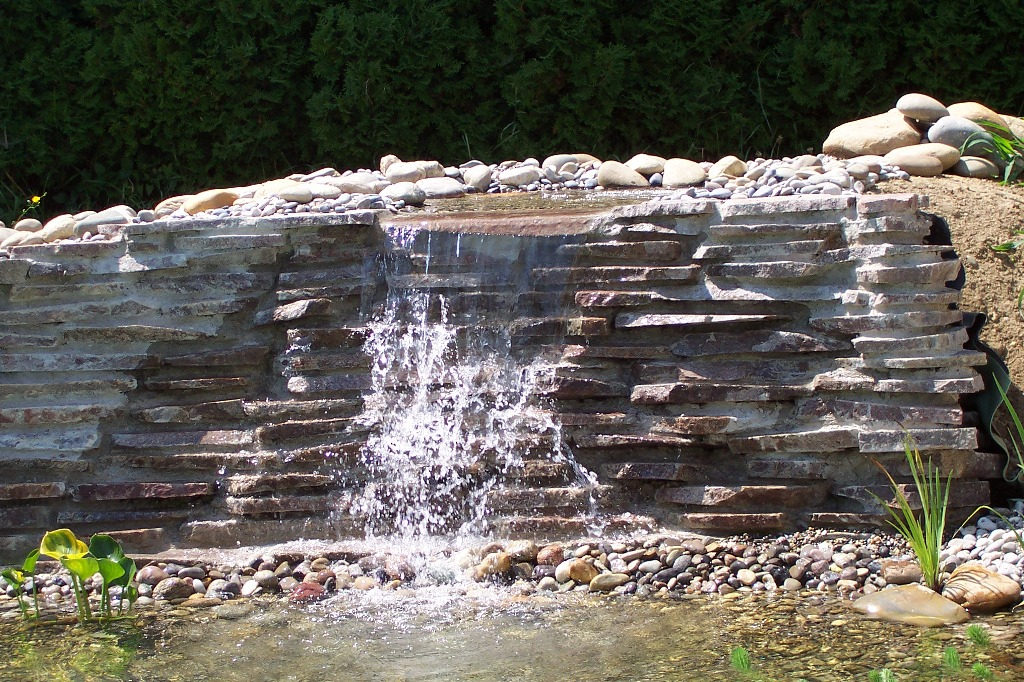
column 450, row 415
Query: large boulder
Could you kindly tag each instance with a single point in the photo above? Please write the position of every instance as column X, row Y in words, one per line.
column 682, row 173
column 955, row 130
column 729, row 166
column 647, row 164
column 976, row 167
column 977, row 112
column 208, row 199
column 924, row 160
column 976, row 588
column 615, row 174
column 878, row 134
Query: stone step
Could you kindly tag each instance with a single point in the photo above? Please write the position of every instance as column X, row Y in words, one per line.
column 740, row 497
column 964, row 358
column 283, row 504
column 229, row 242
column 695, row 321
column 579, row 388
column 532, row 471
column 601, row 441
column 300, row 410
column 821, row 440
column 538, row 500
column 756, row 341
column 212, row 384
column 961, row 494
column 201, row 461
column 764, row 233
column 16, row 492
column 242, row 356
column 325, row 361
column 867, row 411
column 859, row 324
column 726, row 522
column 250, row 484
column 339, row 383
column 327, row 338
column 103, row 492
column 299, row 430
column 782, row 250
column 561, row 326
column 334, row 291
column 660, row 471
column 706, row 392
column 109, row 518
column 643, row 251
column 297, row 310
column 787, row 270
column 924, row 273
column 702, row 425
column 49, row 440
column 58, row 414
column 892, row 440
column 615, row 274
column 135, row 333
column 178, row 439
column 775, row 370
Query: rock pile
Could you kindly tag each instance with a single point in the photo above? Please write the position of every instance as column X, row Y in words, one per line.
column 404, row 185
column 923, row 137
column 848, row 565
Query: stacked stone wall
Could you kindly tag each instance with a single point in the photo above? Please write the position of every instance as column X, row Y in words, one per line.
column 719, row 365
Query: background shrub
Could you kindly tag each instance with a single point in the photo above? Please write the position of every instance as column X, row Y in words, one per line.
column 109, row 101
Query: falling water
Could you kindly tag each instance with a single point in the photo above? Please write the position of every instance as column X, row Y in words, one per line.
column 450, row 413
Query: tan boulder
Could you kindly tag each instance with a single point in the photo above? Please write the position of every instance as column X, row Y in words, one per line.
column 877, row 134
column 1015, row 124
column 974, row 111
column 273, row 187
column 167, row 206
column 582, row 572
column 976, row 588
column 924, row 160
column 386, row 161
column 6, row 232
column 28, row 225
column 61, row 227
column 647, row 164
column 21, row 238
column 208, row 199
column 615, row 174
column 730, row 166
column 682, row 173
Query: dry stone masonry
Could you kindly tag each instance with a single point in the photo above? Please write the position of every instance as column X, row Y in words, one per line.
column 719, row 366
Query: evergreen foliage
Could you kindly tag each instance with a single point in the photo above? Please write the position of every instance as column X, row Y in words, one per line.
column 104, row 101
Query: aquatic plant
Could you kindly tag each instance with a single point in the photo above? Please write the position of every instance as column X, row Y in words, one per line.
column 103, row 555
column 739, row 659
column 978, row 635
column 883, row 675
column 982, row 671
column 951, row 662
column 998, row 140
column 923, row 531
column 17, row 578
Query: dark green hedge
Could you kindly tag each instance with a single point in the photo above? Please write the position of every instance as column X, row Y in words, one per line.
column 103, row 101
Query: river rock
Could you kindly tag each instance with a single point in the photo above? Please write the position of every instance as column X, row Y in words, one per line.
column 386, row 161
column 606, row 582
column 682, row 173
column 441, row 187
column 495, row 563
column 924, row 160
column 165, row 207
column 877, row 134
column 520, row 176
column 523, row 550
column 28, row 225
column 921, row 107
column 300, row 193
column 975, row 167
column 954, row 131
column 115, row 215
column 409, row 192
column 61, row 227
column 616, row 174
column 307, row 592
column 364, row 582
column 151, row 575
column 582, row 571
column 478, row 177
column 977, row 112
column 913, row 604
column 20, row 238
column 323, row 190
column 405, row 171
column 729, row 166
column 1014, row 124
column 266, row 579
column 550, row 555
column 358, row 183
column 556, row 161
column 900, row 571
column 209, row 199
column 647, row 164
column 976, row 588
column 173, row 588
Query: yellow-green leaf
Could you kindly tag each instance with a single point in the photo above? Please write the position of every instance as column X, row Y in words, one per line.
column 84, row 567
column 62, row 544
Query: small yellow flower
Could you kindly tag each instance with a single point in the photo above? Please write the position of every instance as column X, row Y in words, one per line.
column 36, row 199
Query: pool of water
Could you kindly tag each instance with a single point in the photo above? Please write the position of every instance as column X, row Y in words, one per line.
column 485, row 635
